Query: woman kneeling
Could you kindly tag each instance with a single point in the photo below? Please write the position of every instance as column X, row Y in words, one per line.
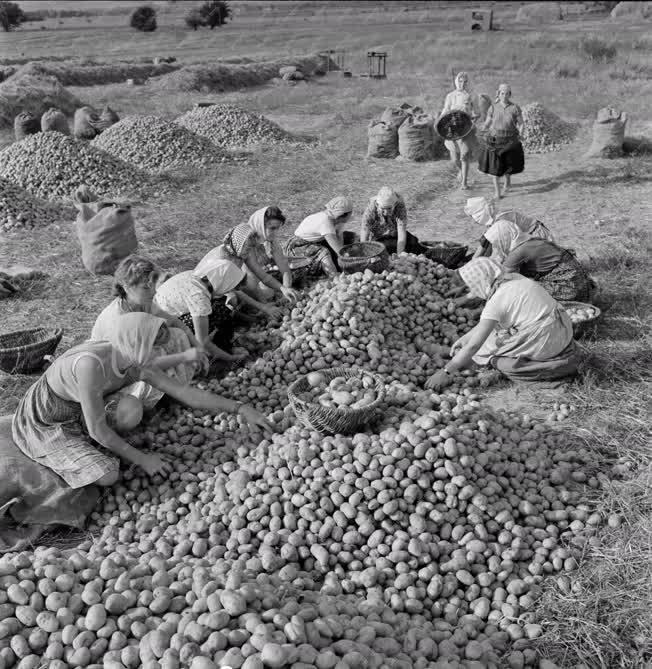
column 523, row 332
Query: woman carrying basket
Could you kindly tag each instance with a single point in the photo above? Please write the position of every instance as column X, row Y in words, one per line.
column 385, row 220
column 502, row 153
column 461, row 150
column 319, row 237
column 523, row 332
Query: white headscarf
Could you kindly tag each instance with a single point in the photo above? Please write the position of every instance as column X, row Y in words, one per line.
column 483, row 276
column 222, row 274
column 387, row 197
column 461, row 75
column 134, row 336
column 339, row 206
column 480, row 209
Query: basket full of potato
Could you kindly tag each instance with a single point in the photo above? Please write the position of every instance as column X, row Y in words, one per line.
column 582, row 315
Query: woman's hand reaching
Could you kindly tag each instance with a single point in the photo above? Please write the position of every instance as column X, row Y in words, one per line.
column 290, row 294
column 254, row 418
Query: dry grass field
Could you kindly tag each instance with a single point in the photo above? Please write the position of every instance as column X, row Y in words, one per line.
column 601, row 208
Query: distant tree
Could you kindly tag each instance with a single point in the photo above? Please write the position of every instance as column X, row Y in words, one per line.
column 144, row 18
column 194, row 19
column 11, row 15
column 215, row 13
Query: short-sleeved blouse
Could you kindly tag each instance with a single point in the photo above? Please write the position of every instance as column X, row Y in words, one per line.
column 182, row 294
column 504, row 122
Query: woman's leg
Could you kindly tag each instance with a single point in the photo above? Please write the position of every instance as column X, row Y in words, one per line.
column 508, row 182
column 496, row 186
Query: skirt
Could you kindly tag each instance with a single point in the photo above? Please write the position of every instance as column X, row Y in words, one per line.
column 50, row 431
column 220, row 323
column 562, row 366
column 412, row 244
column 568, row 281
column 322, row 257
column 501, row 160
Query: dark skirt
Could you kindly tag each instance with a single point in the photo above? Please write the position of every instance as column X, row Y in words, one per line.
column 220, row 323
column 322, row 257
column 412, row 244
column 568, row 281
column 501, row 160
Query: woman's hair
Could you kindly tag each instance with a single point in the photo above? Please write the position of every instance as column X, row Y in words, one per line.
column 132, row 271
column 274, row 212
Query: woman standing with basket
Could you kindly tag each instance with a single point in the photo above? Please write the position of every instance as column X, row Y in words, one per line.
column 502, row 153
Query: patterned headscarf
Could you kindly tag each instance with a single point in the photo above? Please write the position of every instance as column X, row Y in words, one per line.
column 483, row 276
column 222, row 274
column 134, row 336
column 480, row 209
column 338, row 206
column 387, row 197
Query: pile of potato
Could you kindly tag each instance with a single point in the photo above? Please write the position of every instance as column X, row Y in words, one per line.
column 155, row 145
column 580, row 312
column 52, row 165
column 230, row 126
column 20, row 210
column 543, row 131
column 340, row 392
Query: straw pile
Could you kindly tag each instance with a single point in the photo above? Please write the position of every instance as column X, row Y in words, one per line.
column 544, row 131
column 230, row 126
column 34, row 94
column 53, row 165
column 19, row 209
column 154, row 145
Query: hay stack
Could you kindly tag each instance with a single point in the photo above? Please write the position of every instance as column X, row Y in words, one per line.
column 632, row 10
column 540, row 11
column 154, row 145
column 24, row 92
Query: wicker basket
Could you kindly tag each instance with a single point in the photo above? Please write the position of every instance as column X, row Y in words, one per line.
column 363, row 255
column 446, row 253
column 22, row 352
column 454, row 125
column 581, row 327
column 330, row 420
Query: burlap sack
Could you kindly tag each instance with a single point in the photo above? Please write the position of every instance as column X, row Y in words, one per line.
column 107, row 118
column 85, row 122
column 608, row 134
column 394, row 116
column 107, row 234
column 382, row 140
column 25, row 124
column 54, row 120
column 287, row 69
column 416, row 138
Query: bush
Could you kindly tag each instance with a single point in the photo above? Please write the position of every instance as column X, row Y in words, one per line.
column 194, row 19
column 597, row 51
column 11, row 15
column 215, row 13
column 144, row 18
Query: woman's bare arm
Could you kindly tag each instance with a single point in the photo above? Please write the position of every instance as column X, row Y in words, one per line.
column 334, row 242
column 282, row 263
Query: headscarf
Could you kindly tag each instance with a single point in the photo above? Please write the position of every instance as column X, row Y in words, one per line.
column 223, row 275
column 483, row 276
column 134, row 335
column 338, row 206
column 503, row 86
column 387, row 197
column 480, row 209
column 257, row 223
column 461, row 75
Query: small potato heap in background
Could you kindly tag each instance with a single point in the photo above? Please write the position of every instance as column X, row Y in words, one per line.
column 20, row 210
column 229, row 126
column 544, row 131
column 53, row 165
column 155, row 145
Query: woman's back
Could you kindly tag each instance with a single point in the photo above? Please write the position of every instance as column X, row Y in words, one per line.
column 519, row 303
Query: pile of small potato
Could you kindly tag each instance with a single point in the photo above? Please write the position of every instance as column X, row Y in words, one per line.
column 52, row 165
column 543, row 131
column 155, row 145
column 230, row 126
column 340, row 392
column 423, row 544
column 21, row 210
column 580, row 312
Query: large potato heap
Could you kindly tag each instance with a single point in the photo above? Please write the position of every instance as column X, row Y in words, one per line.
column 229, row 126
column 544, row 131
column 154, row 145
column 53, row 165
column 19, row 209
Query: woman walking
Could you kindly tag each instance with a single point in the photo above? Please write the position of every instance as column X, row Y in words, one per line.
column 502, row 153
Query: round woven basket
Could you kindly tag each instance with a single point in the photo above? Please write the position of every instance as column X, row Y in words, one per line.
column 360, row 256
column 22, row 352
column 329, row 420
column 581, row 327
column 446, row 253
column 454, row 125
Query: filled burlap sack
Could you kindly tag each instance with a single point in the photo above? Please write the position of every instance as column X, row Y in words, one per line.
column 382, row 140
column 107, row 118
column 416, row 138
column 54, row 120
column 106, row 233
column 287, row 69
column 608, row 134
column 394, row 116
column 632, row 10
column 85, row 122
column 25, row 124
